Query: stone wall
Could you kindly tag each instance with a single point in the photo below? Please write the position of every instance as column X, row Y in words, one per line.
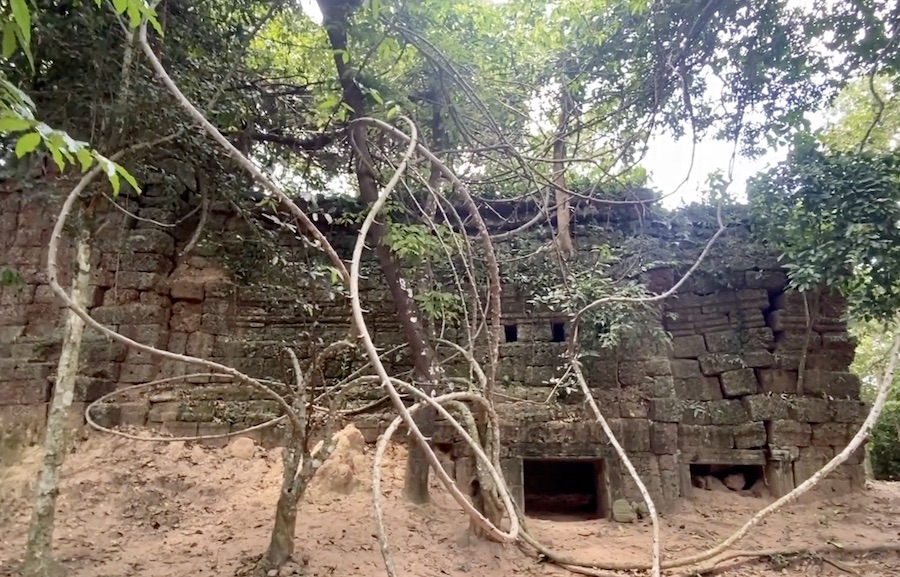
column 725, row 392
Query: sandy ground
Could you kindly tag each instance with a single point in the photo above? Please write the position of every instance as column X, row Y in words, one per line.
column 155, row 510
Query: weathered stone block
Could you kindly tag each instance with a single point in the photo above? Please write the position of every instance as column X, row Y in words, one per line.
column 723, row 342
column 689, row 347
column 750, row 435
column 660, row 387
column 766, row 407
column 150, row 241
column 138, row 373
column 809, row 410
column 664, row 438
column 717, row 363
column 634, row 409
column 89, row 389
column 634, row 372
column 789, row 434
column 694, row 437
column 143, row 281
column 778, row 381
column 759, row 359
column 185, row 317
column 667, row 410
column 635, row 435
column 698, row 389
column 829, row 434
column 696, row 413
column 727, row 412
column 841, row 385
column 757, row 338
column 685, row 369
column 200, row 344
column 849, row 411
column 24, row 392
column 809, row 462
column 739, row 383
column 787, row 360
column 130, row 314
column 798, row 340
column 214, row 324
column 153, row 335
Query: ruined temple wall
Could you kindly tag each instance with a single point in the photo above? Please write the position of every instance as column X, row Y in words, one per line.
column 725, row 391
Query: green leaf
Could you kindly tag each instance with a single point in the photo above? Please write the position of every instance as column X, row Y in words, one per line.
column 57, row 156
column 10, row 123
column 128, row 178
column 116, row 184
column 87, row 160
column 134, row 15
column 23, row 19
column 151, row 18
column 120, row 6
column 27, row 143
column 9, row 39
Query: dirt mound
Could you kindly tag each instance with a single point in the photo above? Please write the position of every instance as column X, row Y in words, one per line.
column 344, row 470
column 155, row 510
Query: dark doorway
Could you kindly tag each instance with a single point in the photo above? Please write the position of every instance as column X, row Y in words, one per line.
column 724, row 477
column 511, row 332
column 558, row 332
column 565, row 489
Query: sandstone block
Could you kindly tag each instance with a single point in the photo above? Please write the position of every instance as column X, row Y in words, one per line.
column 150, row 241
column 696, row 413
column 757, row 338
column 712, row 364
column 797, row 340
column 694, row 437
column 840, row 385
column 829, row 434
column 849, row 411
column 130, row 314
column 809, row 462
column 750, row 435
column 138, row 373
column 24, row 392
column 759, row 359
column 635, row 435
column 789, row 434
column 685, row 369
column 727, row 412
column 698, row 388
column 666, row 410
column 810, row 410
column 634, row 372
column 723, row 342
column 661, row 387
column 766, row 407
column 777, row 381
column 739, row 383
column 688, row 347
column 664, row 438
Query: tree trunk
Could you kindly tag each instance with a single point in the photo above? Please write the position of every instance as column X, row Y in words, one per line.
column 336, row 15
column 281, row 545
column 563, row 198
column 39, row 560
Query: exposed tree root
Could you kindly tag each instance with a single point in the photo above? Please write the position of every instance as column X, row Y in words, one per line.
column 787, row 555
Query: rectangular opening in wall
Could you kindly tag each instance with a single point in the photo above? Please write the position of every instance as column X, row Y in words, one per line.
column 558, row 332
column 743, row 479
column 511, row 332
column 565, row 489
